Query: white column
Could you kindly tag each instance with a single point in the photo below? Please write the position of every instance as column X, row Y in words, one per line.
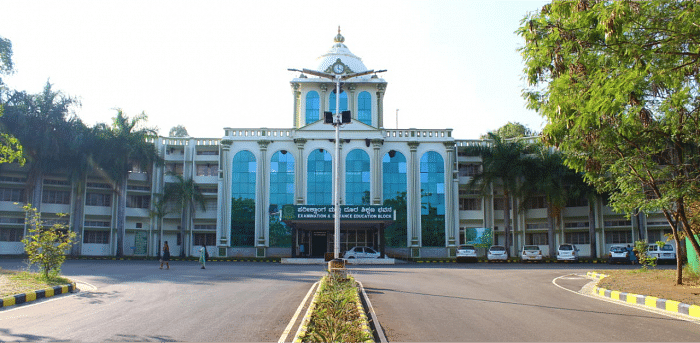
column 449, row 195
column 261, row 207
column 413, row 197
column 223, row 222
column 376, row 176
column 299, row 171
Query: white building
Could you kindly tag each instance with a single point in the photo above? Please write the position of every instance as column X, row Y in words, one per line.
column 249, row 174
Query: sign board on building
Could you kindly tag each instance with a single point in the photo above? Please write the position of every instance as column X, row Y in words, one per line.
column 140, row 243
column 479, row 236
column 347, row 212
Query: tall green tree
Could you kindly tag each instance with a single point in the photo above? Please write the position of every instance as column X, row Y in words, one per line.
column 502, row 165
column 178, row 131
column 44, row 124
column 185, row 193
column 617, row 82
column 125, row 144
column 10, row 149
column 512, row 130
column 545, row 175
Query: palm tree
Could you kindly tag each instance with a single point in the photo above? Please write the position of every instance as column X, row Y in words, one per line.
column 42, row 124
column 186, row 194
column 125, row 144
column 546, row 174
column 158, row 211
column 502, row 161
column 82, row 145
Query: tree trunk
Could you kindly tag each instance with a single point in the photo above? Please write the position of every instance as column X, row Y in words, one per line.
column 679, row 260
column 77, row 217
column 550, row 230
column 183, row 224
column 35, row 185
column 121, row 215
column 506, row 220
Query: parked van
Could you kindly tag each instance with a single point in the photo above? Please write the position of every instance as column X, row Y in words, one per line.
column 666, row 253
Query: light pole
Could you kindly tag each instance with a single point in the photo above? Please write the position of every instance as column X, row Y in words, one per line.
column 337, row 120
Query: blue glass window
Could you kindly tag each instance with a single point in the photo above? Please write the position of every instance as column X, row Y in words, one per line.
column 343, row 101
column 319, row 180
column 312, row 107
column 394, row 192
column 364, row 108
column 432, row 177
column 243, row 171
column 281, row 193
column 357, row 178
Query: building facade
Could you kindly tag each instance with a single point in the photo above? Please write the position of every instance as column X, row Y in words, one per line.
column 249, row 175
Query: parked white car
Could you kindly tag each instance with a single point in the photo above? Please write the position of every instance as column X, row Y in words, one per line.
column 666, row 253
column 361, row 252
column 497, row 253
column 530, row 253
column 567, row 252
column 618, row 253
column 466, row 253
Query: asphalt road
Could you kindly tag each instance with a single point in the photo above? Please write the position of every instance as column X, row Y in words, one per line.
column 506, row 302
column 135, row 301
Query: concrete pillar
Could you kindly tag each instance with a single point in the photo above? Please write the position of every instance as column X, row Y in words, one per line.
column 299, row 171
column 223, row 222
column 413, row 198
column 376, row 173
column 261, row 198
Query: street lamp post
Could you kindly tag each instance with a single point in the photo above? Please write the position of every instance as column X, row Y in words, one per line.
column 337, row 122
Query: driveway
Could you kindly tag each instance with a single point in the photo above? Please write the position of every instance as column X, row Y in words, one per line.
column 136, row 301
column 506, row 302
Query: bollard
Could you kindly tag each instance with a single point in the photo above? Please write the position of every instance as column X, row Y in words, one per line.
column 336, row 266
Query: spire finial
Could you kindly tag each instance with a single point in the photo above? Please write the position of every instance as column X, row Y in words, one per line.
column 339, row 38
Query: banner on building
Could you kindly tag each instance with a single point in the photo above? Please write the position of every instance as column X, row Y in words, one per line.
column 347, row 212
column 479, row 236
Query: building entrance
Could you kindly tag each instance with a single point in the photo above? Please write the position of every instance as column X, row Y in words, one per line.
column 319, row 244
column 313, row 228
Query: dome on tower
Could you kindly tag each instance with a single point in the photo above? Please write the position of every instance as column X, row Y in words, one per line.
column 340, row 52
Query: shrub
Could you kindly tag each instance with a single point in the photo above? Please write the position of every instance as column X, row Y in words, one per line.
column 46, row 245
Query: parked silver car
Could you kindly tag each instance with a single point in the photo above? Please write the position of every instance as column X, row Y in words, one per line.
column 466, row 253
column 530, row 253
column 497, row 253
column 361, row 252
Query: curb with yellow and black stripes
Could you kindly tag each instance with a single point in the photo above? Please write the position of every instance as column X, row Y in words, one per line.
column 36, row 295
column 648, row 301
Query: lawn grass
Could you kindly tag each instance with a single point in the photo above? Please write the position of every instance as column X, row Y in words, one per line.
column 660, row 283
column 14, row 282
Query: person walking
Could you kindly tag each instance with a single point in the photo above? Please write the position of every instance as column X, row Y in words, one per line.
column 166, row 256
column 203, row 256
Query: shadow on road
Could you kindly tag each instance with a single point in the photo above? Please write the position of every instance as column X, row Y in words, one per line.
column 18, row 337
column 377, row 291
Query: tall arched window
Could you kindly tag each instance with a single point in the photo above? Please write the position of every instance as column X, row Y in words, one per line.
column 343, row 102
column 319, row 178
column 364, row 108
column 432, row 185
column 394, row 191
column 312, row 107
column 243, row 171
column 357, row 178
column 281, row 193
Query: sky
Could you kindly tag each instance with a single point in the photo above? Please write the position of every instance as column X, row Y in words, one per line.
column 210, row 64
